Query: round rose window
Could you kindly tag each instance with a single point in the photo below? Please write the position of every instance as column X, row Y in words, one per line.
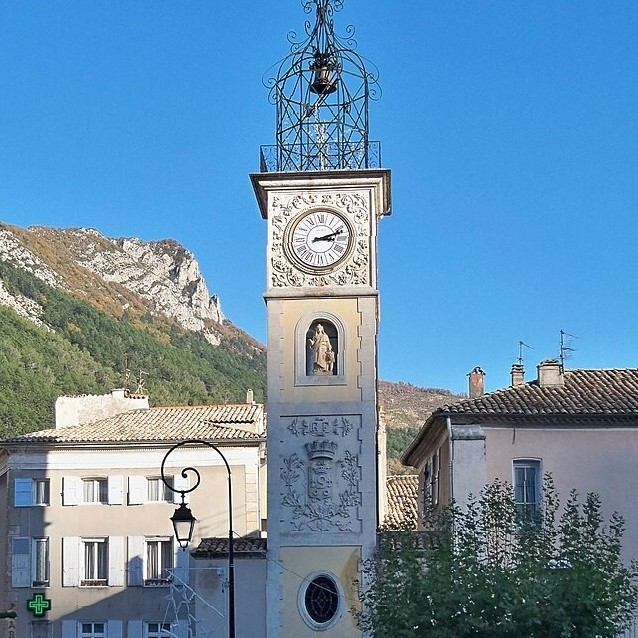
column 321, row 599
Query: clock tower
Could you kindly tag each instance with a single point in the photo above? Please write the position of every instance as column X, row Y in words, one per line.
column 322, row 192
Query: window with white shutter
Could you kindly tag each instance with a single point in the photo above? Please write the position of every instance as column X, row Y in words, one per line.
column 92, row 630
column 95, row 490
column 157, row 491
column 159, row 561
column 157, row 630
column 95, row 562
column 40, row 629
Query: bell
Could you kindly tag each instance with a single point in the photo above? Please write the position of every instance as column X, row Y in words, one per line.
column 322, row 84
column 322, row 79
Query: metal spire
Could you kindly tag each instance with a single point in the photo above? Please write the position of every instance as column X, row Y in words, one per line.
column 321, row 91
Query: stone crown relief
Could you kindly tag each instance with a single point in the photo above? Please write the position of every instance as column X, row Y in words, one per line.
column 320, row 482
column 353, row 271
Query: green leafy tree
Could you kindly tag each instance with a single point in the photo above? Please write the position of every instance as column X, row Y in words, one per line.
column 492, row 571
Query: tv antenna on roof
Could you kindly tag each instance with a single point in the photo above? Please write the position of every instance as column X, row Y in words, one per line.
column 522, row 345
column 565, row 347
column 127, row 374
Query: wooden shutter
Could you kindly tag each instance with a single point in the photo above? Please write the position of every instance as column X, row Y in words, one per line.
column 136, row 490
column 69, row 629
column 116, row 490
column 20, row 561
column 135, row 561
column 23, row 492
column 135, row 629
column 182, row 559
column 114, row 628
column 71, row 490
column 116, row 561
column 70, row 561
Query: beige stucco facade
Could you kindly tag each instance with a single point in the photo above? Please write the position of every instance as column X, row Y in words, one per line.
column 145, row 573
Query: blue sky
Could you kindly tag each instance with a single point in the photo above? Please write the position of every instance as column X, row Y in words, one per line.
column 511, row 129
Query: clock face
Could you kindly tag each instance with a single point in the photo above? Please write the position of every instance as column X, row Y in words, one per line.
column 319, row 240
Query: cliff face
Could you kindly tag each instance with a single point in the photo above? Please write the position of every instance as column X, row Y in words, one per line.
column 124, row 274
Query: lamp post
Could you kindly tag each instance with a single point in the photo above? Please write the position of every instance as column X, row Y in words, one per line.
column 184, row 521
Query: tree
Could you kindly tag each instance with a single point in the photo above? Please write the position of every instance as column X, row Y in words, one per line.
column 490, row 571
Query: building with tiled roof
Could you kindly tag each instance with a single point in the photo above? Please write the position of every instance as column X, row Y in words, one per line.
column 85, row 515
column 579, row 425
column 401, row 494
column 218, row 423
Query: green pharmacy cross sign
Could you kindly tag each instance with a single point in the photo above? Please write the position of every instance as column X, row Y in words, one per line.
column 39, row 605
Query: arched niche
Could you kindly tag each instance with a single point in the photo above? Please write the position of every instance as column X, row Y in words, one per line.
column 320, row 341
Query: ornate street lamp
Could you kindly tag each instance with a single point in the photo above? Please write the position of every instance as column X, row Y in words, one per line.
column 184, row 521
column 183, row 524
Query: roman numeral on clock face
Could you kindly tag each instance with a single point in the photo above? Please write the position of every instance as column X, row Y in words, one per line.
column 320, row 239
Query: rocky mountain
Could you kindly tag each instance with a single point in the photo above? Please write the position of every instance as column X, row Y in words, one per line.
column 121, row 275
column 84, row 313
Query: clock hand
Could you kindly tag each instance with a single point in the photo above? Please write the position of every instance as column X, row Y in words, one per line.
column 329, row 236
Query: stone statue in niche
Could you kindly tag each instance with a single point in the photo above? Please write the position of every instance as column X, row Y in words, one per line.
column 323, row 354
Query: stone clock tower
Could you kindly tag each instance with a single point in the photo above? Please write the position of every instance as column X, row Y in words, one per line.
column 322, row 193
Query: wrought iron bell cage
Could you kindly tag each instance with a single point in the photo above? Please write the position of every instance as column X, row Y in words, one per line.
column 321, row 91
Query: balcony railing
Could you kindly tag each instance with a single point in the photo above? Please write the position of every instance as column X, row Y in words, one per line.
column 330, row 156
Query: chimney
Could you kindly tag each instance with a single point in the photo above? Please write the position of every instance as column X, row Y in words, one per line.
column 518, row 374
column 477, row 383
column 550, row 373
column 250, row 396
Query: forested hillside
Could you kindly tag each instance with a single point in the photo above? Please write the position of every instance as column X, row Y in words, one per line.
column 84, row 350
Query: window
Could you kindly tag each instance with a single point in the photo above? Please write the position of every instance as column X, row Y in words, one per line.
column 31, row 492
column 95, row 490
column 321, row 601
column 40, row 629
column 29, row 562
column 41, row 491
column 527, row 487
column 431, row 482
column 157, row 491
column 40, row 562
column 95, row 568
column 92, row 630
column 159, row 560
column 157, row 630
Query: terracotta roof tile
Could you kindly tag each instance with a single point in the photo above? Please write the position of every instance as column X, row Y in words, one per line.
column 586, row 397
column 246, row 545
column 402, row 494
column 210, row 422
column 585, row 393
